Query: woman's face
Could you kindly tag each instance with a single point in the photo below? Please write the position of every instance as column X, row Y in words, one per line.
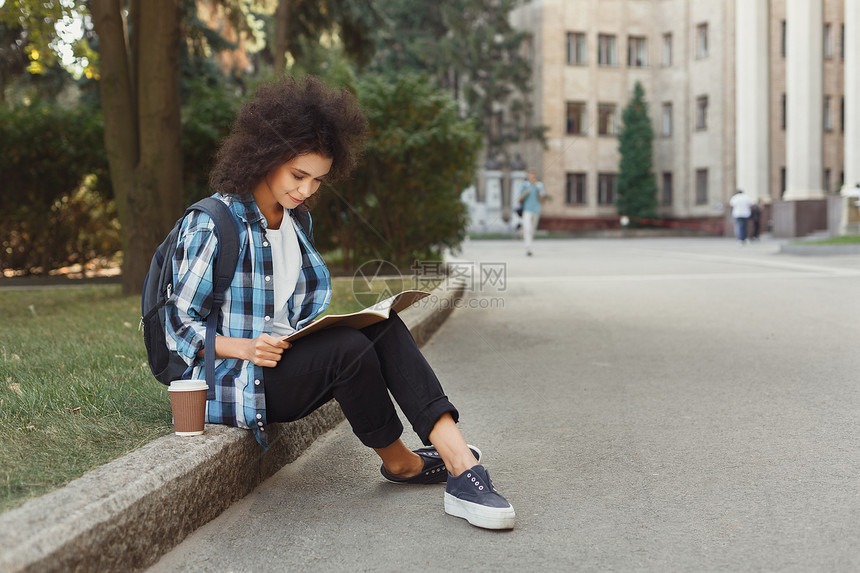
column 294, row 181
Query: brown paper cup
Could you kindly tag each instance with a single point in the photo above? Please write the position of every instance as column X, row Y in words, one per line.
column 188, row 402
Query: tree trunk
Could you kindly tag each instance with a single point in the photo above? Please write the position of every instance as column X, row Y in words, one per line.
column 156, row 201
column 118, row 108
column 142, row 129
column 282, row 26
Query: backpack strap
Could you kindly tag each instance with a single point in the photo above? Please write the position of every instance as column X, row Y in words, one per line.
column 302, row 215
column 227, row 258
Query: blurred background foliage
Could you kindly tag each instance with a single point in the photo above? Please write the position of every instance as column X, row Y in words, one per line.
column 431, row 113
column 55, row 207
column 403, row 202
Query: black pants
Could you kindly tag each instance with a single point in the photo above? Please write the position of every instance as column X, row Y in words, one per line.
column 358, row 368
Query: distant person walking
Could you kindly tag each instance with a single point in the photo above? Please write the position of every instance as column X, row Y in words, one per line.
column 755, row 219
column 531, row 195
column 741, row 211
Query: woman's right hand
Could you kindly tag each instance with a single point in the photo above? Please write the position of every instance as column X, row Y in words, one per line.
column 266, row 350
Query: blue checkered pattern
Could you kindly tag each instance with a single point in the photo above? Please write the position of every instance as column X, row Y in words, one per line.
column 247, row 311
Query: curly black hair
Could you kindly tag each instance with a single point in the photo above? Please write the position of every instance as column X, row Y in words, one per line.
column 285, row 119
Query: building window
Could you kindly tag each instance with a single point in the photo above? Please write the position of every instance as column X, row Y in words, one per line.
column 576, row 118
column 701, row 186
column 828, row 41
column 783, row 113
column 574, row 193
column 783, row 33
column 576, row 49
column 701, row 41
column 667, row 120
column 667, row 188
column 826, row 181
column 606, row 53
column 667, row 50
column 607, row 184
column 606, row 119
column 702, row 113
column 828, row 116
column 637, row 51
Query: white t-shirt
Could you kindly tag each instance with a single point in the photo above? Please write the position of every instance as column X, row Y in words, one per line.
column 286, row 266
column 740, row 204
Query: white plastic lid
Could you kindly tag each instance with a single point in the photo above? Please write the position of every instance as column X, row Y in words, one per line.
column 188, row 385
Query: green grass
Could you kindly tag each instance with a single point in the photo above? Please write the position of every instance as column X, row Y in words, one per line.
column 75, row 389
column 842, row 240
column 343, row 300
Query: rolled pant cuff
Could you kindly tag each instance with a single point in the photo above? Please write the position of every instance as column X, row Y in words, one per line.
column 384, row 436
column 431, row 415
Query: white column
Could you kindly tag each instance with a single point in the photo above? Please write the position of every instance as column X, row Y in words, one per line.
column 752, row 92
column 852, row 96
column 849, row 223
column 805, row 101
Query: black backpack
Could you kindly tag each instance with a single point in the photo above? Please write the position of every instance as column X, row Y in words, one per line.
column 167, row 366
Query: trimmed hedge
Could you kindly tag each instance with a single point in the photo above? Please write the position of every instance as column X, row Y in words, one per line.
column 56, row 200
column 54, row 188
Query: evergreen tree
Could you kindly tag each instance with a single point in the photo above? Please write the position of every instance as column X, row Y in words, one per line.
column 637, row 189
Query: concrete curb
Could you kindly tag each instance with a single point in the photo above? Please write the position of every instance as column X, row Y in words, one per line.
column 126, row 514
column 801, row 249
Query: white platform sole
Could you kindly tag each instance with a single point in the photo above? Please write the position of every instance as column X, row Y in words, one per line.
column 480, row 515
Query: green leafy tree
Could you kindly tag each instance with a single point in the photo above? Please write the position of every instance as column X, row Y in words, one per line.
column 35, row 21
column 138, row 67
column 299, row 24
column 28, row 47
column 637, row 189
column 470, row 48
column 403, row 202
column 138, row 73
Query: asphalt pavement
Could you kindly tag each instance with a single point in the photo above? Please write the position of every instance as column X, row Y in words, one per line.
column 645, row 404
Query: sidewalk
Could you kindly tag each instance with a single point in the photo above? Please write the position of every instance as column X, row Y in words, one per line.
column 646, row 405
column 124, row 515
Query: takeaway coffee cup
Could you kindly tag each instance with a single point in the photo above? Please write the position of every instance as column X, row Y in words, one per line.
column 188, row 402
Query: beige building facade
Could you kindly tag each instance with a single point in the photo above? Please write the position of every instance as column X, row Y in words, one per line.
column 743, row 94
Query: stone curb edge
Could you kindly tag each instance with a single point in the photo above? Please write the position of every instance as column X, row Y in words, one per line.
column 801, row 249
column 126, row 514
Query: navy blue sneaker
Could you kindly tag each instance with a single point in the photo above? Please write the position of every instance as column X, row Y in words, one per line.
column 434, row 468
column 471, row 495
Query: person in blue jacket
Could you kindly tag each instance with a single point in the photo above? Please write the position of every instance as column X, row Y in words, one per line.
column 292, row 138
column 532, row 194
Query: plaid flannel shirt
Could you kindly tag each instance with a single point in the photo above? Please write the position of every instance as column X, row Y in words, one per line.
column 247, row 311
